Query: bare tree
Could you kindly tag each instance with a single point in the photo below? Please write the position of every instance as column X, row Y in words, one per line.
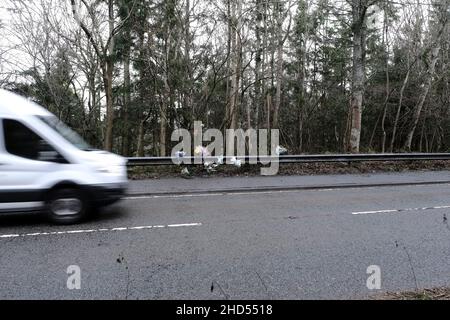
column 430, row 58
column 359, row 12
column 104, row 49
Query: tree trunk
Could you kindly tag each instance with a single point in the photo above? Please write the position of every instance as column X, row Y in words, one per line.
column 258, row 101
column 359, row 9
column 162, row 132
column 301, row 75
column 230, row 47
column 264, row 93
column 385, row 106
column 279, row 68
column 127, row 101
column 107, row 81
column 269, row 108
column 235, row 53
column 163, row 115
column 188, row 101
column 397, row 116
column 423, row 95
column 140, row 139
column 238, row 71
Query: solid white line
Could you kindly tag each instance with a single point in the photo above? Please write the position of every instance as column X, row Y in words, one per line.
column 6, row 236
column 401, row 210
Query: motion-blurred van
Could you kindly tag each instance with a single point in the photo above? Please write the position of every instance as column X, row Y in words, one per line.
column 45, row 166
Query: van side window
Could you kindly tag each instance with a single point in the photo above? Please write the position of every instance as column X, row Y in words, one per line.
column 23, row 142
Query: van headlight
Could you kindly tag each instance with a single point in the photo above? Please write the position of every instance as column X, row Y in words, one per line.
column 113, row 170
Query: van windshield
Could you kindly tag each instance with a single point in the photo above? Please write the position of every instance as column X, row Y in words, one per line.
column 67, row 133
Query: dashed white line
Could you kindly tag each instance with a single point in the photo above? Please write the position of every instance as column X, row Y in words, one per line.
column 10, row 236
column 35, row 234
column 400, row 210
column 378, row 211
column 141, row 228
column 182, row 225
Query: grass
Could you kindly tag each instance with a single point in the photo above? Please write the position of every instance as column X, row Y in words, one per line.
column 442, row 293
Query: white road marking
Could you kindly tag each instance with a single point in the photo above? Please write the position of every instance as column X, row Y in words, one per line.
column 379, row 211
column 182, row 225
column 401, row 210
column 10, row 236
column 35, row 234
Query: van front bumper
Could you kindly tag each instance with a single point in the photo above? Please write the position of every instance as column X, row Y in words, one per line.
column 103, row 195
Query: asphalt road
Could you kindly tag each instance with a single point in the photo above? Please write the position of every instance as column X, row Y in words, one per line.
column 269, row 244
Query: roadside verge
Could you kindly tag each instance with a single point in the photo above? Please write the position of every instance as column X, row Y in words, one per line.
column 208, row 185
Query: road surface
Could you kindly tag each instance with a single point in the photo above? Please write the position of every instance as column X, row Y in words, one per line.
column 253, row 238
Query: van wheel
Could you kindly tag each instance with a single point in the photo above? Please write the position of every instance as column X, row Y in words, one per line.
column 67, row 206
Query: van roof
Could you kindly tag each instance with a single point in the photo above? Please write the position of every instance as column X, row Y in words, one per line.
column 12, row 104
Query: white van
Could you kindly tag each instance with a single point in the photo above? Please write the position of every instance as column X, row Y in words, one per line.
column 47, row 167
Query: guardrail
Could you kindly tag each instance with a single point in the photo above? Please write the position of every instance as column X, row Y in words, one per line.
column 161, row 161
